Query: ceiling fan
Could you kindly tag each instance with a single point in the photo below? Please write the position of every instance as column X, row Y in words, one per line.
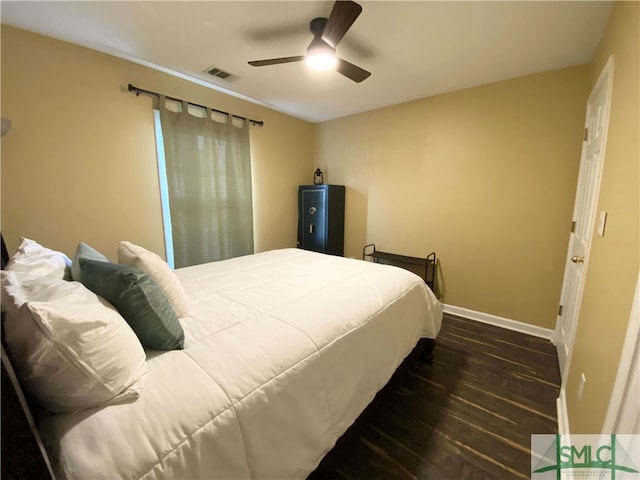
column 327, row 33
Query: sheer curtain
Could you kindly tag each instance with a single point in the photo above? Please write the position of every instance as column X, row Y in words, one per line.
column 208, row 180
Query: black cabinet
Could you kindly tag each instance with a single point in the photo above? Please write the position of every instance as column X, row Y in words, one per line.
column 321, row 218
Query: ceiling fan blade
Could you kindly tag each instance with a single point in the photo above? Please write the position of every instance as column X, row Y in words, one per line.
column 276, row 61
column 342, row 16
column 352, row 71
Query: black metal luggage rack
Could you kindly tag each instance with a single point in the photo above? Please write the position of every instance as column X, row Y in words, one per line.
column 404, row 261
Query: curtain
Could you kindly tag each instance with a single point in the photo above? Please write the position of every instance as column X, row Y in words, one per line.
column 208, row 171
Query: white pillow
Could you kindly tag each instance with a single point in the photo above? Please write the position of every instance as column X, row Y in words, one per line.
column 20, row 287
column 11, row 289
column 72, row 350
column 152, row 264
column 33, row 258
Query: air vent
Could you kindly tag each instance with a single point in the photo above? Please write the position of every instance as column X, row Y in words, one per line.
column 219, row 73
column 216, row 72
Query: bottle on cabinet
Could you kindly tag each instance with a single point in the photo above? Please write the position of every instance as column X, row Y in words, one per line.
column 321, row 218
column 318, row 177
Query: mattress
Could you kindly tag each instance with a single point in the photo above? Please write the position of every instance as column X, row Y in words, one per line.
column 283, row 351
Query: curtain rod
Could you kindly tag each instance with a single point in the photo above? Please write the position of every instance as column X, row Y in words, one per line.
column 138, row 91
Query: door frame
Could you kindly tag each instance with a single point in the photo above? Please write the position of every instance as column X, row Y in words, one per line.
column 606, row 75
column 623, row 382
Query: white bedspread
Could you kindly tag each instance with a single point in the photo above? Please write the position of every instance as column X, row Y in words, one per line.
column 283, row 351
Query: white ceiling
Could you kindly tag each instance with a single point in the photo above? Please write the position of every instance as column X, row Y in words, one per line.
column 413, row 49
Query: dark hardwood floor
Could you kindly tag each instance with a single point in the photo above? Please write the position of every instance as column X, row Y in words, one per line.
column 468, row 414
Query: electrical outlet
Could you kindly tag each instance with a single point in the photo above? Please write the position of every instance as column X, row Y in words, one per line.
column 583, row 380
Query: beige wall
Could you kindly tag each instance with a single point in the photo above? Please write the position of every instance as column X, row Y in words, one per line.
column 613, row 264
column 485, row 177
column 79, row 162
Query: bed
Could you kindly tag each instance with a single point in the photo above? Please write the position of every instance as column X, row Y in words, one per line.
column 282, row 351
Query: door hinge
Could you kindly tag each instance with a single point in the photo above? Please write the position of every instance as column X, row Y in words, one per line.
column 573, row 227
column 586, row 134
column 560, row 311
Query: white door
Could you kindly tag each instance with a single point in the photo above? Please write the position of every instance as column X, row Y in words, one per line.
column 584, row 214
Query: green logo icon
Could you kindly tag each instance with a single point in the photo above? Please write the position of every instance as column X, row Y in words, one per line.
column 604, row 454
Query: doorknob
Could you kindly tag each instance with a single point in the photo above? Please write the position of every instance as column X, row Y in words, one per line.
column 576, row 259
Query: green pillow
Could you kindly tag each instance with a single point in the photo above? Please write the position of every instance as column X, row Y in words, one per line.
column 138, row 299
column 84, row 251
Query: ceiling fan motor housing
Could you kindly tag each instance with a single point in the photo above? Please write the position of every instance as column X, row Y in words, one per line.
column 317, row 26
column 317, row 45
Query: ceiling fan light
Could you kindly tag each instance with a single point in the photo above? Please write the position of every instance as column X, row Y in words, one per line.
column 321, row 61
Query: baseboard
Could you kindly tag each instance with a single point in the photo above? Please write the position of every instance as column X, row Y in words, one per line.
column 563, row 416
column 500, row 322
